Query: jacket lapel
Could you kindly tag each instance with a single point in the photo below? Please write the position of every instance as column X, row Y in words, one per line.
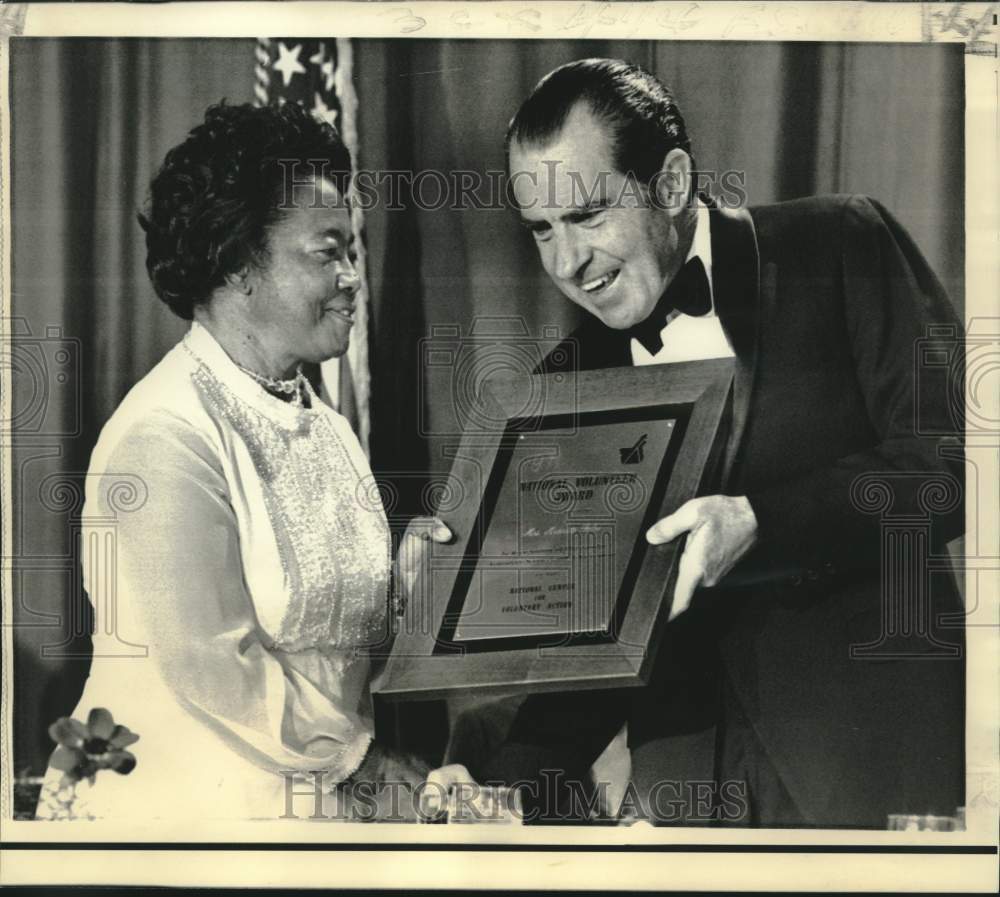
column 736, row 291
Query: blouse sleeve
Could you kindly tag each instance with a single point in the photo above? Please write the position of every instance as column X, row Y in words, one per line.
column 181, row 576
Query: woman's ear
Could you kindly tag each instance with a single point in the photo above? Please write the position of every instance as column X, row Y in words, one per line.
column 240, row 280
column 672, row 183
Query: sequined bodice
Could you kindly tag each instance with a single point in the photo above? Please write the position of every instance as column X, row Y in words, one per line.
column 327, row 521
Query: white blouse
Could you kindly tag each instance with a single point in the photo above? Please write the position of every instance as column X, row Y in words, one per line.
column 245, row 586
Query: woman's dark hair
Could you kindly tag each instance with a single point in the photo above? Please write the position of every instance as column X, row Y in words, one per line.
column 217, row 193
column 640, row 112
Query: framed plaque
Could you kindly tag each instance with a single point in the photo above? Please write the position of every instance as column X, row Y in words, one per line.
column 549, row 583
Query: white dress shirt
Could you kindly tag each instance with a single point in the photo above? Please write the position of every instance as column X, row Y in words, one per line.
column 688, row 338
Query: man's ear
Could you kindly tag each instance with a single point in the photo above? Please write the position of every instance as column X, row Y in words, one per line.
column 239, row 280
column 672, row 183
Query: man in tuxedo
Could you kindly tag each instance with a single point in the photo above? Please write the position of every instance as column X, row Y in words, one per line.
column 765, row 705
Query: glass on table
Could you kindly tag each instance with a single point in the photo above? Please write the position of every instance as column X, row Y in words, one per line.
column 911, row 822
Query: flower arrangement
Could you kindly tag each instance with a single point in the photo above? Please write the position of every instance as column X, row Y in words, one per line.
column 82, row 750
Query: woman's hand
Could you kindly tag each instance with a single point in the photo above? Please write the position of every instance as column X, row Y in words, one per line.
column 413, row 549
column 384, row 765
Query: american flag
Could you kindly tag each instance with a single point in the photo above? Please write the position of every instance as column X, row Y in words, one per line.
column 317, row 73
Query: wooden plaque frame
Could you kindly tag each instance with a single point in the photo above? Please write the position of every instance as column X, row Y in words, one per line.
column 424, row 665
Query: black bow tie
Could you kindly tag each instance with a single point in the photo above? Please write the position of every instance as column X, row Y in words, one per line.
column 688, row 292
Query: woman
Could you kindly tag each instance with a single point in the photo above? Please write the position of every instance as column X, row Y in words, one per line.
column 254, row 563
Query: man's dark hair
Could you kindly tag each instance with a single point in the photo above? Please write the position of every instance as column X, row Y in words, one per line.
column 217, row 193
column 640, row 113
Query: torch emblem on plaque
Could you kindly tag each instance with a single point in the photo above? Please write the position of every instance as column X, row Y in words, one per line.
column 633, row 454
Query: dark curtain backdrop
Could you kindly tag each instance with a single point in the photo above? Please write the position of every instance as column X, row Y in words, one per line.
column 92, row 119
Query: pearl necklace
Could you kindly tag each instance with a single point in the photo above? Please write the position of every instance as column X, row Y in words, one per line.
column 295, row 388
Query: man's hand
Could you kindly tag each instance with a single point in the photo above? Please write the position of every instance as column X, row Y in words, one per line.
column 439, row 784
column 721, row 529
column 413, row 548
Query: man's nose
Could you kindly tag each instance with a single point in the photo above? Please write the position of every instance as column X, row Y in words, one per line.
column 571, row 253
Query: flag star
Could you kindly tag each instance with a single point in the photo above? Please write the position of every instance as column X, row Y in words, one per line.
column 327, row 69
column 324, row 112
column 326, row 66
column 318, row 57
column 288, row 62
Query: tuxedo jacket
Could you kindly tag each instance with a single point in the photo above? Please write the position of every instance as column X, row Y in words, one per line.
column 843, row 651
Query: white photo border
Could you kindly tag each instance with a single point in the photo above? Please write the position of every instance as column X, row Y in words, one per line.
column 301, row 853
